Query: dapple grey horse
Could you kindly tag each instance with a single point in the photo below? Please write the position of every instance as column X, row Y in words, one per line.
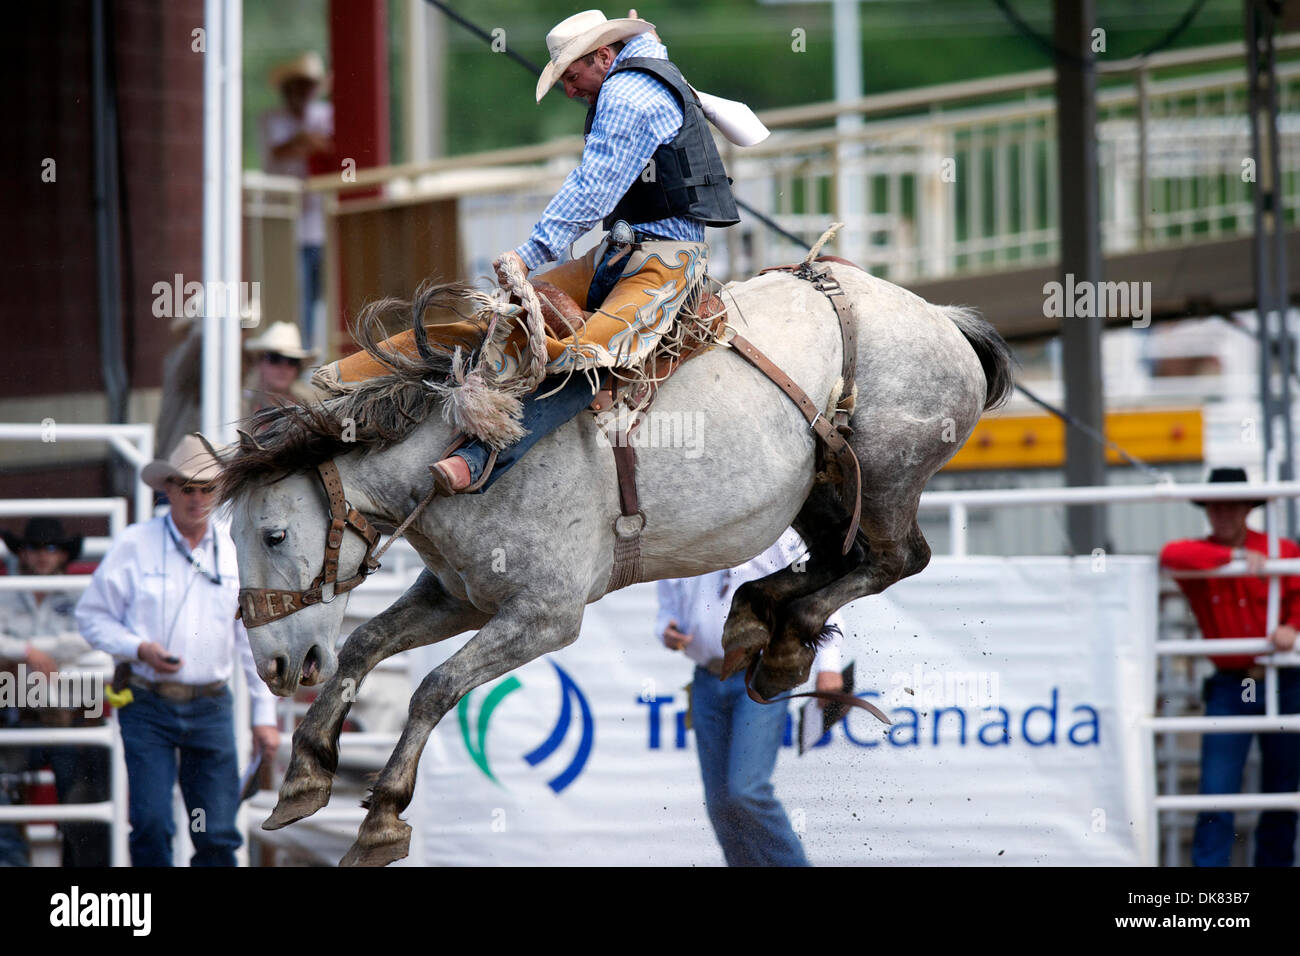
column 520, row 562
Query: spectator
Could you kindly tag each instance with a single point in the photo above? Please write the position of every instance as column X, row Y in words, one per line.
column 39, row 630
column 163, row 600
column 1236, row 607
column 274, row 380
column 737, row 739
column 291, row 137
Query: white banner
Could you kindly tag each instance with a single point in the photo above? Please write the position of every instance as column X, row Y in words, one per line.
column 1016, row 687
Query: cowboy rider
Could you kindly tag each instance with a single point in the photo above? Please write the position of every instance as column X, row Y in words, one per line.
column 650, row 161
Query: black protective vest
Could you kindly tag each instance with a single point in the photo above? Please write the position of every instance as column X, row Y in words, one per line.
column 684, row 177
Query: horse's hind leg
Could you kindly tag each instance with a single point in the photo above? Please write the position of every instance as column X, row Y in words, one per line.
column 525, row 628
column 758, row 606
column 895, row 549
column 890, row 560
column 423, row 615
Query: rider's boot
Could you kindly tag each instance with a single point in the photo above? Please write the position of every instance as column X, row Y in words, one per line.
column 451, row 475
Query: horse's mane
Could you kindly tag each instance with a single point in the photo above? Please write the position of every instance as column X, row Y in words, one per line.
column 377, row 413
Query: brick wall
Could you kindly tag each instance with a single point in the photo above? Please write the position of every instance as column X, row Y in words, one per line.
column 48, row 270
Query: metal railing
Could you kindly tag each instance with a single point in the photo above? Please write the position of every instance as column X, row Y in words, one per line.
column 112, row 811
column 949, row 178
column 959, row 504
column 135, row 443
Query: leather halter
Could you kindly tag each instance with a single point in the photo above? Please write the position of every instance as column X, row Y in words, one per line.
column 258, row 606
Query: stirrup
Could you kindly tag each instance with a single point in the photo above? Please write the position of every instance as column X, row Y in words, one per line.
column 442, row 481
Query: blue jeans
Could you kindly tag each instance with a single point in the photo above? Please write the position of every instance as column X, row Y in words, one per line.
column 737, row 741
column 13, row 848
column 309, row 259
column 203, row 731
column 1223, row 757
column 541, row 417
column 80, row 776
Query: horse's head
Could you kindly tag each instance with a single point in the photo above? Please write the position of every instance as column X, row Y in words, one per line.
column 291, row 601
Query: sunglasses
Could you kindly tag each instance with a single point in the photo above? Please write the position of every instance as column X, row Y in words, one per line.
column 46, row 548
column 275, row 358
column 189, row 488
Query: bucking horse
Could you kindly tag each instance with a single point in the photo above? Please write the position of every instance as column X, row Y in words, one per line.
column 309, row 488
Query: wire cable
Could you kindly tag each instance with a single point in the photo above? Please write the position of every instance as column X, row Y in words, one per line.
column 1068, row 56
column 537, row 71
column 1092, row 433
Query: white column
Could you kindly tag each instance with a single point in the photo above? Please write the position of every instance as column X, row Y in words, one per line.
column 852, row 194
column 425, row 72
column 222, row 217
column 213, row 170
column 232, row 154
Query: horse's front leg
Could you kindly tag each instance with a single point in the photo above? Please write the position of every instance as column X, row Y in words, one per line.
column 423, row 615
column 526, row 627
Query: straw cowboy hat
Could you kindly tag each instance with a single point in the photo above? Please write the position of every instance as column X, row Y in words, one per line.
column 282, row 338
column 307, row 66
column 41, row 533
column 577, row 36
column 190, row 461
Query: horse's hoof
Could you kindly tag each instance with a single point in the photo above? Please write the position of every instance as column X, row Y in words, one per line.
column 778, row 673
column 736, row 660
column 379, row 854
column 743, row 637
column 294, row 807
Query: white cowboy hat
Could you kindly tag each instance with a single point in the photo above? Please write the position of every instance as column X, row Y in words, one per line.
column 189, row 461
column 579, row 35
column 281, row 337
column 307, row 66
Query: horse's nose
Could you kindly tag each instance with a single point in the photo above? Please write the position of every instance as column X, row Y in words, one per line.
column 277, row 669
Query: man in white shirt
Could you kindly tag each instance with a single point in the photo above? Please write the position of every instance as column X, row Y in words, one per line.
column 737, row 739
column 164, row 599
column 303, row 128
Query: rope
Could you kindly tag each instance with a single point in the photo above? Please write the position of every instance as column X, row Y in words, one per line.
column 1092, row 433
column 532, row 372
column 826, row 237
column 407, row 523
column 1049, row 47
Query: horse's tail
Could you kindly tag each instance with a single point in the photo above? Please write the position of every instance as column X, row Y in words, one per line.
column 994, row 353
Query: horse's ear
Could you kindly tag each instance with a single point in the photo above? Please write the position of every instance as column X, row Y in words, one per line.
column 210, row 449
column 246, row 438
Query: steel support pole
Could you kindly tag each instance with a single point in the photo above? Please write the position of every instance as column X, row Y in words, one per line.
column 1080, row 232
column 1276, row 349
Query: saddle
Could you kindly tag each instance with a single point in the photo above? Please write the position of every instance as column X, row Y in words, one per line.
column 836, row 461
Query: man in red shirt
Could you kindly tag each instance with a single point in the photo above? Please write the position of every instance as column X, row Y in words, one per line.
column 1236, row 607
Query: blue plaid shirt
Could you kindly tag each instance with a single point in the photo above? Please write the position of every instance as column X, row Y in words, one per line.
column 635, row 115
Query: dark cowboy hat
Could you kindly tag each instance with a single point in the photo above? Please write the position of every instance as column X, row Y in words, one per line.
column 1230, row 476
column 42, row 532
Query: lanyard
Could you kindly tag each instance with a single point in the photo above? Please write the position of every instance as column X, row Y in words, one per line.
column 213, row 576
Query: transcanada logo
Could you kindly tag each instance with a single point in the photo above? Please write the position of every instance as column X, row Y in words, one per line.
column 1049, row 722
column 571, row 697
